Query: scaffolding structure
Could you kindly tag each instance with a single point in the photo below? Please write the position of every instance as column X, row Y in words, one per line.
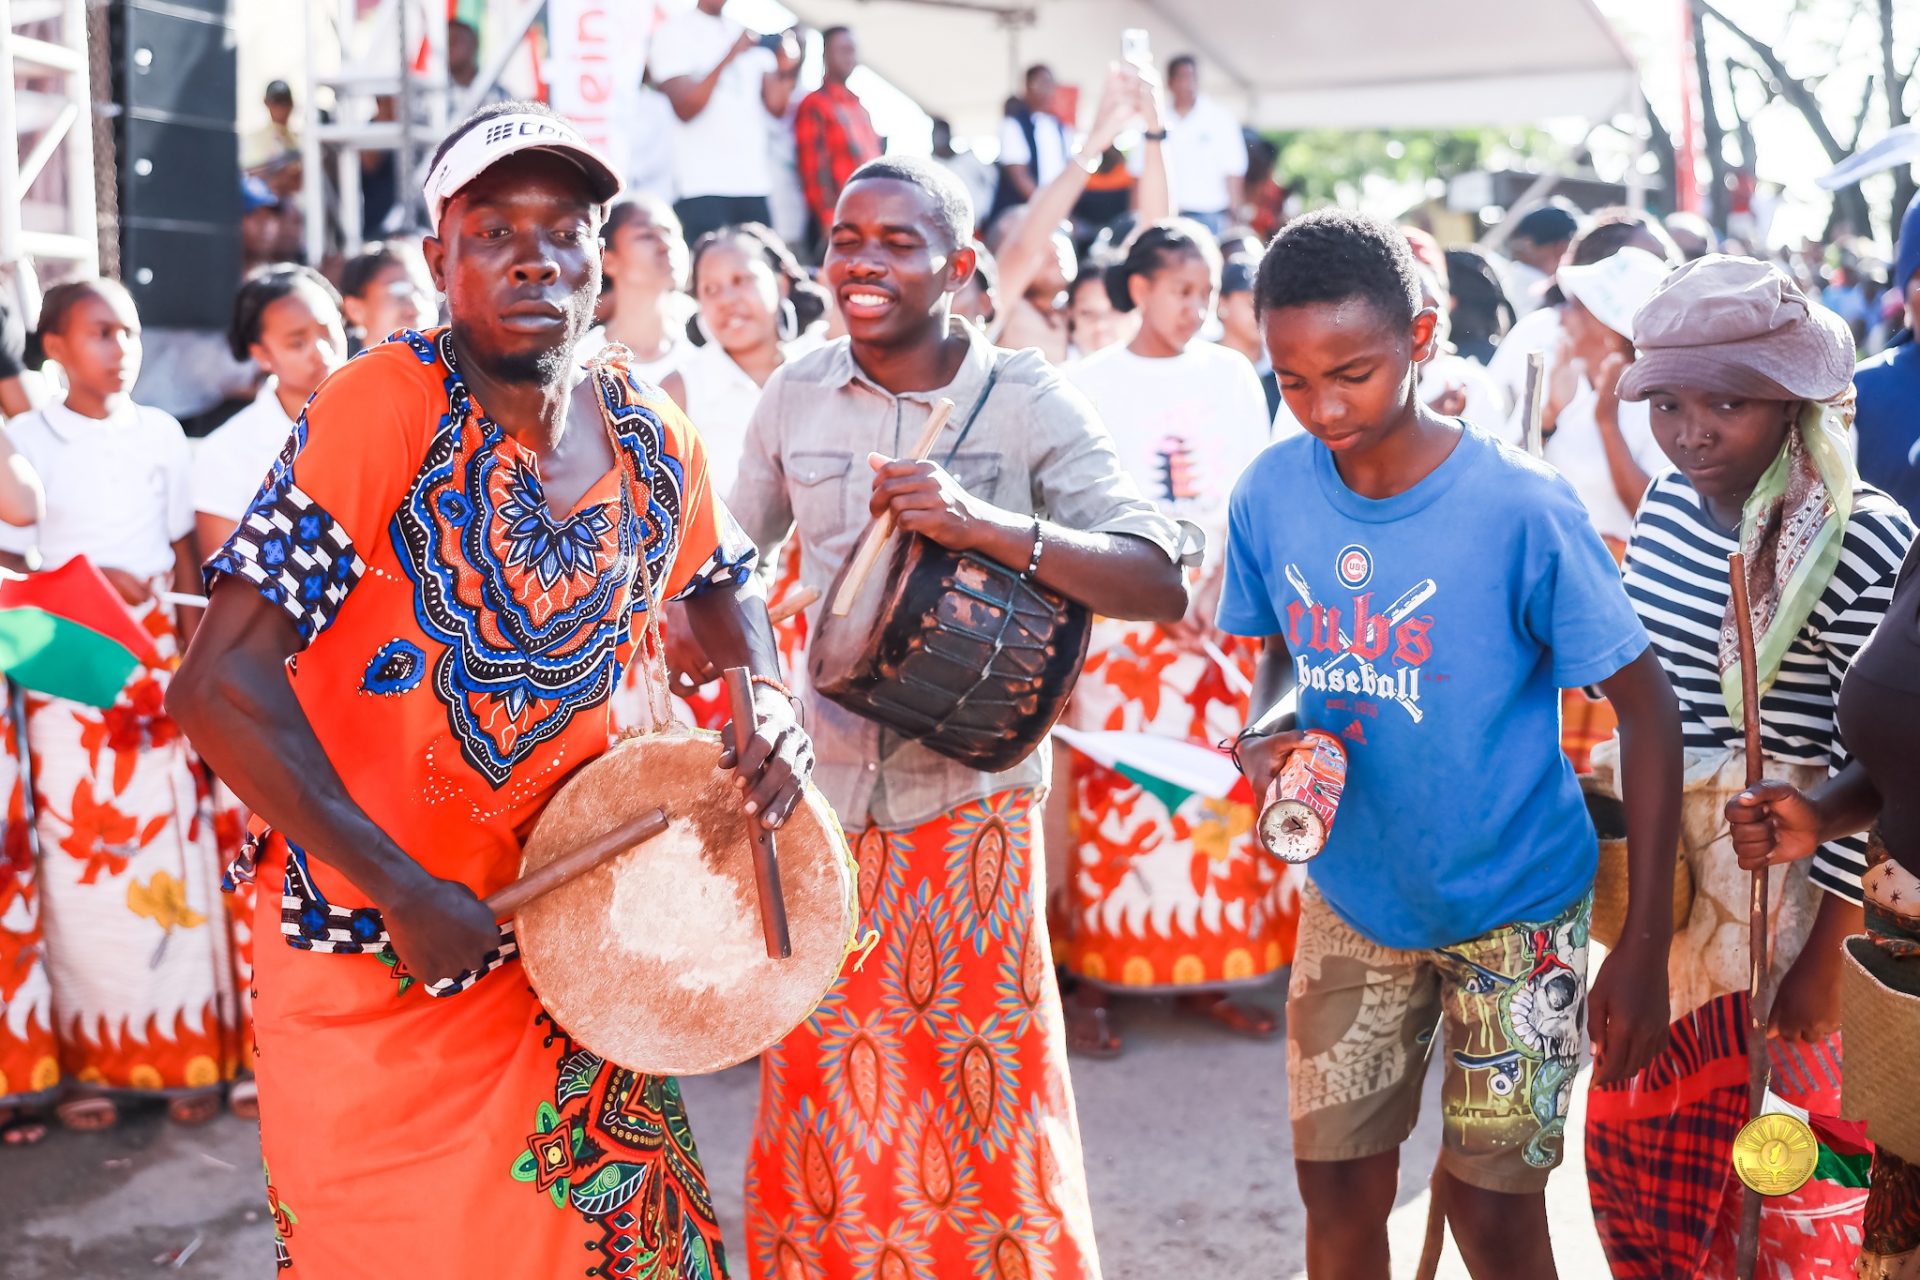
column 49, row 223
column 397, row 51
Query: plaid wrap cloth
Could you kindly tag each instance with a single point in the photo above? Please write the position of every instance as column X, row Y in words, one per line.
column 1659, row 1159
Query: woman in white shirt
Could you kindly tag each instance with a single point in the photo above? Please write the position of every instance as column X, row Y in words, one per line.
column 1605, row 448
column 644, row 261
column 123, row 980
column 1170, row 894
column 286, row 319
column 757, row 309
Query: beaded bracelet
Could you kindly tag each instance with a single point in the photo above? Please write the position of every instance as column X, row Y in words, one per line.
column 778, row 688
column 1033, row 564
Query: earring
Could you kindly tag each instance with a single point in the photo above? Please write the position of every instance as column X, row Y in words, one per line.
column 789, row 320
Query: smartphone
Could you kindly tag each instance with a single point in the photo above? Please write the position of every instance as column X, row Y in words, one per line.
column 1134, row 49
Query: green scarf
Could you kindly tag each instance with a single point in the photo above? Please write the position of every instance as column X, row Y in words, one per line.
column 1791, row 531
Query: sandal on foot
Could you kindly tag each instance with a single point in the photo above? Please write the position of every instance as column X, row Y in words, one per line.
column 88, row 1115
column 20, row 1129
column 1249, row 1021
column 193, row 1111
column 243, row 1099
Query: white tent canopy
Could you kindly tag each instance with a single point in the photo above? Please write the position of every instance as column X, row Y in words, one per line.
column 1280, row 64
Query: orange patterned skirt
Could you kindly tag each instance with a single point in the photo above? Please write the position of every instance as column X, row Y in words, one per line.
column 1168, row 890
column 921, row 1122
column 407, row 1134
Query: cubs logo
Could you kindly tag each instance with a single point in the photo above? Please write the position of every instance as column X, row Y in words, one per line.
column 1354, row 565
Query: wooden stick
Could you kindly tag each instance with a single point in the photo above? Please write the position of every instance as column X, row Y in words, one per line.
column 766, row 855
column 799, row 602
column 875, row 539
column 1536, row 402
column 507, row 901
column 1759, row 984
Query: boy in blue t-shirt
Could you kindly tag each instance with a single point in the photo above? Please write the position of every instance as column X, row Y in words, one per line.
column 1429, row 592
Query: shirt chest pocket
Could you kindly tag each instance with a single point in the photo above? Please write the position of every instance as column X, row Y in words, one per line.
column 818, row 488
column 978, row 472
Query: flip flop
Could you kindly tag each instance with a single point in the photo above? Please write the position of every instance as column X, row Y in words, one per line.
column 194, row 1111
column 18, row 1129
column 88, row 1115
column 1248, row 1021
column 1102, row 1045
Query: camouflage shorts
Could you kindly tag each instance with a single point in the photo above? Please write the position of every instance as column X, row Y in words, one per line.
column 1361, row 1024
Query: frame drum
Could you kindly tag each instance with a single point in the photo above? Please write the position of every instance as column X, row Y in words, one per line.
column 655, row 960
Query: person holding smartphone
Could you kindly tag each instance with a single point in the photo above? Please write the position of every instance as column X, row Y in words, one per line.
column 723, row 81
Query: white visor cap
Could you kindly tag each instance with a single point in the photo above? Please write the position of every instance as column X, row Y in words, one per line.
column 496, row 138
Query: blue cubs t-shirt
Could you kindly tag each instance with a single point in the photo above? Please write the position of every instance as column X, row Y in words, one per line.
column 1431, row 633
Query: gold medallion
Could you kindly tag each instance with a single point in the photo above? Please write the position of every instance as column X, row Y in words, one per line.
column 1774, row 1154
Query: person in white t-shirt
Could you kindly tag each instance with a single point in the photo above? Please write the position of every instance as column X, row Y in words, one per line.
column 1206, row 151
column 724, row 81
column 1603, row 446
column 975, row 174
column 1155, row 876
column 757, row 309
column 1536, row 244
column 1609, row 231
column 1035, row 144
column 287, row 320
column 644, row 261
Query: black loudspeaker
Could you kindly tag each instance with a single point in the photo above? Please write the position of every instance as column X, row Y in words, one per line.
column 177, row 159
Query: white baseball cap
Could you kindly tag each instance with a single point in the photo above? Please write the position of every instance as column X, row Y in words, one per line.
column 1614, row 288
column 497, row 137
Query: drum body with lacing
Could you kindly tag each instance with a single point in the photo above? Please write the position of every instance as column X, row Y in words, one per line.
column 954, row 651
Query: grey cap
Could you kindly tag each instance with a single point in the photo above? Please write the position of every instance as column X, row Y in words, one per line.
column 1740, row 327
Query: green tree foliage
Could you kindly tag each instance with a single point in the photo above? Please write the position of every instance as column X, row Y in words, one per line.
column 1326, row 166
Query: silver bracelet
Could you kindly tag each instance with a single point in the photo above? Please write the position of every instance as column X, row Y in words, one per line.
column 1033, row 562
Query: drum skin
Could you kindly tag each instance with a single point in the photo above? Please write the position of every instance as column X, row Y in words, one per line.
column 956, row 652
column 655, row 960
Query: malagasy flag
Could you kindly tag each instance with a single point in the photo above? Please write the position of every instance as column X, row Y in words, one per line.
column 66, row 633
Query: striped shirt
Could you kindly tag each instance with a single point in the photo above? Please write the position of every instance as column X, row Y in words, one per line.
column 1676, row 575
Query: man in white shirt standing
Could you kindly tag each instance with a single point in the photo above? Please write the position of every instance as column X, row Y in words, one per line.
column 1034, row 142
column 1205, row 149
column 724, row 81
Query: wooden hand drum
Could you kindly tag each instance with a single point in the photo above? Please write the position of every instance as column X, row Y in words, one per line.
column 656, row 960
column 954, row 651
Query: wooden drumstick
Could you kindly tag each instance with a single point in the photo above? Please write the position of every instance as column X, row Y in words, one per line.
column 875, row 539
column 766, row 854
column 1759, row 980
column 799, row 602
column 507, row 901
column 1535, row 402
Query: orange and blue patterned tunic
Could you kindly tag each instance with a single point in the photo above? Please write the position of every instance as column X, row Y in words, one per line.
column 459, row 645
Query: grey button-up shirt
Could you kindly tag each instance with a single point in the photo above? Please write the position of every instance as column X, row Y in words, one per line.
column 1036, row 448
